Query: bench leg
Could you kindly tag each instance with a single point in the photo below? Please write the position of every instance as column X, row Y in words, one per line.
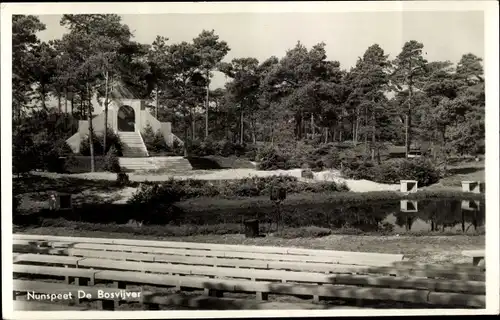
column 262, row 296
column 106, row 305
column 119, row 285
column 152, row 306
column 213, row 293
column 476, row 260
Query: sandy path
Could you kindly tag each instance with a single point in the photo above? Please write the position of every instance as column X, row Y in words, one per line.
column 229, row 174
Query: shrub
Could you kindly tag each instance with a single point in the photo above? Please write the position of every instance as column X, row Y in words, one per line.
column 111, row 162
column 81, row 164
column 248, row 187
column 303, row 232
column 393, row 171
column 112, row 140
column 273, row 159
column 177, row 148
column 154, row 141
column 122, row 179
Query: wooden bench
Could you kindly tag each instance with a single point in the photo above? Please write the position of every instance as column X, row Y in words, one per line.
column 263, row 288
column 87, row 269
column 340, row 258
column 79, row 257
column 209, row 246
column 282, row 271
column 25, row 287
column 477, row 256
column 22, row 305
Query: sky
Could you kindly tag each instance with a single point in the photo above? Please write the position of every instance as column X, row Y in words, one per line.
column 445, row 35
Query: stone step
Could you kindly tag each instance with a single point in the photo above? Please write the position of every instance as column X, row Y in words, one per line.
column 152, row 163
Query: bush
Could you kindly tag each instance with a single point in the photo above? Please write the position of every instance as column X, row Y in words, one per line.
column 81, row 164
column 111, row 162
column 154, row 141
column 122, row 179
column 273, row 159
column 304, row 232
column 38, row 151
column 248, row 187
column 393, row 171
column 112, row 140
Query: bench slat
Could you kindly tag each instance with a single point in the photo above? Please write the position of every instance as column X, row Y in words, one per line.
column 61, row 288
column 210, row 246
column 363, row 280
column 326, row 290
column 54, row 271
column 473, row 253
column 204, row 303
column 22, row 305
column 245, row 255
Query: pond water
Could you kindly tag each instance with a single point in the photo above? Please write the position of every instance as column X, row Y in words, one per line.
column 442, row 215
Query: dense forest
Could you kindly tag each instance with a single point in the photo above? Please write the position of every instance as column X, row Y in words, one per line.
column 301, row 96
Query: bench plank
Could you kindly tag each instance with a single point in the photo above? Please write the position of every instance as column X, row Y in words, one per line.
column 346, row 259
column 283, row 276
column 51, row 287
column 210, row 246
column 23, row 305
column 326, row 290
column 205, row 303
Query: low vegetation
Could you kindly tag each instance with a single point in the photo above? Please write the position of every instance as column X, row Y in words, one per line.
column 247, row 187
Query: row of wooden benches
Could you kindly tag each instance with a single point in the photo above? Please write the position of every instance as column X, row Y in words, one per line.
column 54, row 241
column 429, row 291
column 217, row 269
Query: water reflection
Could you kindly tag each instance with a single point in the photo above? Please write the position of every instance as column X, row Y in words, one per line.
column 405, row 216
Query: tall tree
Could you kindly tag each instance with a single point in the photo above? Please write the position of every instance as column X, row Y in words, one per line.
column 410, row 69
column 43, row 70
column 92, row 43
column 244, row 87
column 370, row 80
column 186, row 84
column 24, row 41
column 211, row 51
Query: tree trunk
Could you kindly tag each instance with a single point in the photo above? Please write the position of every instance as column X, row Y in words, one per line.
column 72, row 104
column 226, row 126
column 106, row 76
column 43, row 97
column 254, row 135
column 193, row 124
column 59, row 104
column 272, row 134
column 355, row 139
column 156, row 102
column 366, row 130
column 312, row 124
column 326, row 134
column 373, row 135
column 241, row 126
column 408, row 122
column 207, row 104
column 91, row 131
column 82, row 108
column 65, row 101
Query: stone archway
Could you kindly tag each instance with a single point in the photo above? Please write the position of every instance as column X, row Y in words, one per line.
column 126, row 119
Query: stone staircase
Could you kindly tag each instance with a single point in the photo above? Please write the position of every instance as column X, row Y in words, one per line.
column 156, row 163
column 132, row 145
